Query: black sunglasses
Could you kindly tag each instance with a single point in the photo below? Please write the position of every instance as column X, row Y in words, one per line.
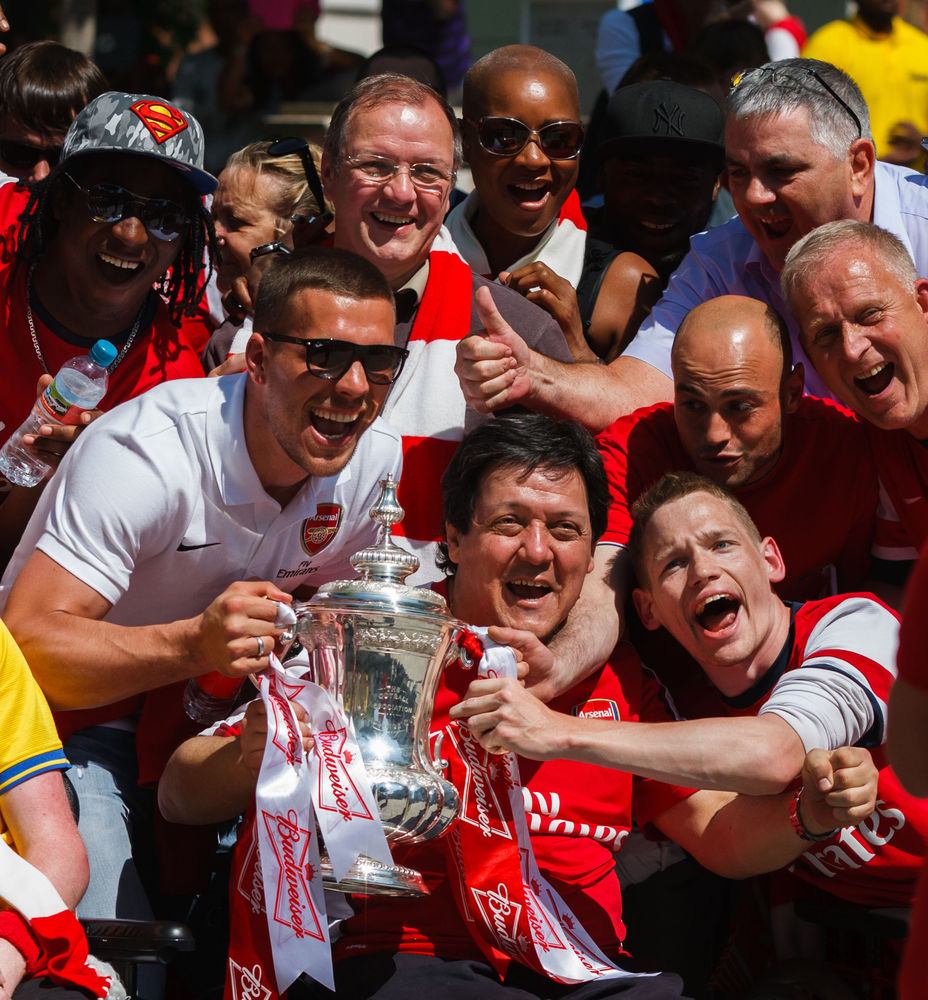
column 23, row 156
column 297, row 144
column 331, row 359
column 164, row 219
column 268, row 248
column 508, row 137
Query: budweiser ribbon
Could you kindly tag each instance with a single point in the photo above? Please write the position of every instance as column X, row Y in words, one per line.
column 277, row 898
column 510, row 908
column 59, row 936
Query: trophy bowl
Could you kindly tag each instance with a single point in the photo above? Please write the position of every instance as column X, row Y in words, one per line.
column 379, row 648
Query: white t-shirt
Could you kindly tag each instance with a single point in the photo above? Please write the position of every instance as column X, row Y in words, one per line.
column 158, row 508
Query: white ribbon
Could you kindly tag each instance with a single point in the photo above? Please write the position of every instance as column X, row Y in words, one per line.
column 564, row 949
column 334, row 781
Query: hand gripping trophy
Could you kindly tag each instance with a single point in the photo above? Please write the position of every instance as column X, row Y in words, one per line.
column 378, row 647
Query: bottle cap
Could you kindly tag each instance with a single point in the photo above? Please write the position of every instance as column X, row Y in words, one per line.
column 103, row 353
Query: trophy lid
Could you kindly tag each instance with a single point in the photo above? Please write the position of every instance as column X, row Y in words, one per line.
column 383, row 568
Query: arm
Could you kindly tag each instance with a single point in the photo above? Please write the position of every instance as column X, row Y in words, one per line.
column 44, row 832
column 757, row 756
column 209, row 779
column 592, row 629
column 629, row 291
column 499, row 370
column 907, row 736
column 51, row 445
column 83, row 662
column 742, row 835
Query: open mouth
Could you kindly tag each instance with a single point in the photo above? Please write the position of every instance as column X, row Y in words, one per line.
column 717, row 612
column 392, row 221
column 877, row 379
column 528, row 590
column 118, row 268
column 530, row 194
column 776, row 227
column 333, row 425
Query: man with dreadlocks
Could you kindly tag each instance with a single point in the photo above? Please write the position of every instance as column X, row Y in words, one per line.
column 111, row 244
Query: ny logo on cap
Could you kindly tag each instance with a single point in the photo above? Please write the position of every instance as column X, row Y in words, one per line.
column 162, row 120
column 668, row 121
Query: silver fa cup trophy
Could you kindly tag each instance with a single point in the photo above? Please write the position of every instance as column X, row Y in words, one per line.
column 379, row 647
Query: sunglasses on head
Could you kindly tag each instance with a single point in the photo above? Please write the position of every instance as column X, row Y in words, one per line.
column 331, row 359
column 297, row 144
column 164, row 219
column 23, row 156
column 508, row 137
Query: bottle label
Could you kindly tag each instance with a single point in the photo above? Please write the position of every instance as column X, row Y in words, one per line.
column 57, row 407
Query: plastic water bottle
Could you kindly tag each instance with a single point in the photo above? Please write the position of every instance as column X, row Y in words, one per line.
column 78, row 386
column 211, row 697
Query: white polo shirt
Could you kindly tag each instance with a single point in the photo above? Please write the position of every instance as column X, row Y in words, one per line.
column 158, row 508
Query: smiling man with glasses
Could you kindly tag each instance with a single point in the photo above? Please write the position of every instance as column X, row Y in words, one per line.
column 110, row 244
column 389, row 165
column 522, row 222
column 177, row 521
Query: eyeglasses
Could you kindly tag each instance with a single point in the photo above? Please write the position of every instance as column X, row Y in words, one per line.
column 780, row 79
column 23, row 156
column 268, row 248
column 164, row 219
column 508, row 137
column 331, row 359
column 426, row 176
column 297, row 144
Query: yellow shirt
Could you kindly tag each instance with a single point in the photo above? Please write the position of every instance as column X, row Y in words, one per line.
column 891, row 71
column 29, row 742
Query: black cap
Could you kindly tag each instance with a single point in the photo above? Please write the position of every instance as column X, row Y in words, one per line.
column 663, row 111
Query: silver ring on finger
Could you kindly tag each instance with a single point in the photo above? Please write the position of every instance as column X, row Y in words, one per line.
column 260, row 639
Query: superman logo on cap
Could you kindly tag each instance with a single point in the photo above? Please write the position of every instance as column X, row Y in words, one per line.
column 162, row 120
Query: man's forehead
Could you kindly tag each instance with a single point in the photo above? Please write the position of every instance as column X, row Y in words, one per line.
column 779, row 127
column 700, row 514
column 372, row 115
column 510, row 486
column 746, row 356
column 322, row 313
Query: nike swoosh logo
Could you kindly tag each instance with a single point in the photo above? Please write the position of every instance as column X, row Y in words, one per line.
column 190, row 548
column 911, row 500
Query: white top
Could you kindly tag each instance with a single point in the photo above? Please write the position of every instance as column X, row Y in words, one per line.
column 727, row 261
column 847, row 664
column 561, row 246
column 158, row 508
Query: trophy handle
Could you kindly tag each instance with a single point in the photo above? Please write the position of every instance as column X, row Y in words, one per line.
column 439, row 762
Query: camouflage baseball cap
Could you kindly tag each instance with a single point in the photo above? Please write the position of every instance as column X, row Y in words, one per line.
column 143, row 125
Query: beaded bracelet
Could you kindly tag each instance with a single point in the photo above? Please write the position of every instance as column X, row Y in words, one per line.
column 795, row 821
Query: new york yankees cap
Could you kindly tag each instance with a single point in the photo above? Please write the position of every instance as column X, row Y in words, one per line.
column 662, row 111
column 143, row 125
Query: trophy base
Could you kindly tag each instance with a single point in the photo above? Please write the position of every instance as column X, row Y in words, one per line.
column 367, row 877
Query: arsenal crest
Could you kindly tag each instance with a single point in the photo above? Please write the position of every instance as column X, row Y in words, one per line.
column 319, row 530
column 162, row 120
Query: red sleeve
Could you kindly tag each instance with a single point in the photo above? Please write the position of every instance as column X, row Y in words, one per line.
column 634, row 456
column 912, row 664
